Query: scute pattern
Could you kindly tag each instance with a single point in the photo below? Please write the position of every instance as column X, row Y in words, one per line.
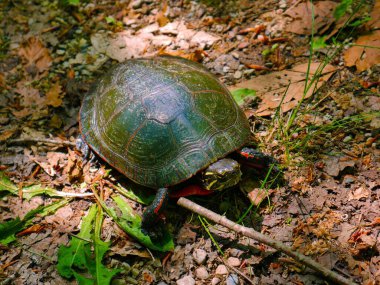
column 161, row 120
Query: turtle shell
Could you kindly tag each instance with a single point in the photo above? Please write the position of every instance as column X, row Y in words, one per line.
column 160, row 120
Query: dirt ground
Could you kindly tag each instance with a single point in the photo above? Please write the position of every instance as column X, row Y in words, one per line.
column 326, row 138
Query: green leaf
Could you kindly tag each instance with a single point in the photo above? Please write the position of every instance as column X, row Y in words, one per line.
column 110, row 20
column 130, row 222
column 137, row 193
column 360, row 21
column 242, row 93
column 102, row 274
column 7, row 185
column 9, row 229
column 79, row 260
column 318, row 43
column 74, row 256
column 342, row 8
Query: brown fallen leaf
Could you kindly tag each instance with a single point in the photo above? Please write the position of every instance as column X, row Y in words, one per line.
column 36, row 55
column 53, row 96
column 196, row 56
column 31, row 101
column 161, row 19
column 301, row 15
column 257, row 195
column 335, row 165
column 357, row 194
column 366, row 55
column 374, row 23
column 32, row 229
column 4, row 135
column 271, row 87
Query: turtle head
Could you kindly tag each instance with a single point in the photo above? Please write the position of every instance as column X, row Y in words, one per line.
column 220, row 175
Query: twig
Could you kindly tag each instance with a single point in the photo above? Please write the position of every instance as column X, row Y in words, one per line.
column 41, row 140
column 248, row 232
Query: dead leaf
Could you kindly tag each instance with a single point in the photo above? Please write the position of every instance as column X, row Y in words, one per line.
column 357, row 194
column 186, row 235
column 335, row 165
column 271, row 87
column 125, row 46
column 55, row 122
column 162, row 20
column 302, row 17
column 374, row 23
column 33, row 229
column 31, row 100
column 4, row 135
column 2, row 80
column 256, row 196
column 36, row 55
column 196, row 56
column 53, row 96
column 365, row 56
column 74, row 166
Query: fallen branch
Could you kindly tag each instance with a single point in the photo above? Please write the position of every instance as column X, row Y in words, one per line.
column 251, row 233
column 41, row 140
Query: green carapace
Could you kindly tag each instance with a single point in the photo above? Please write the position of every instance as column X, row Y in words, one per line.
column 161, row 120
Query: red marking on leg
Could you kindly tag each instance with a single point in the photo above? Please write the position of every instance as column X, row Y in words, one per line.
column 189, row 191
column 246, row 154
column 160, row 202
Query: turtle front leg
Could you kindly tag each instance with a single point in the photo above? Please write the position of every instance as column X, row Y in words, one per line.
column 152, row 223
column 256, row 159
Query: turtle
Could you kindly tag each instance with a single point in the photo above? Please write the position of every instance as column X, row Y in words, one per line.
column 163, row 120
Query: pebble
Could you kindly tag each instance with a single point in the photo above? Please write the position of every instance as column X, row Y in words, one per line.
column 199, row 256
column 226, row 69
column 348, row 179
column 215, row 281
column 60, row 51
column 135, row 272
column 201, row 273
column 236, row 252
column 232, row 279
column 233, row 261
column 235, row 55
column 162, row 283
column 187, row 280
column 136, row 4
column 347, row 139
column 221, row 270
column 238, row 74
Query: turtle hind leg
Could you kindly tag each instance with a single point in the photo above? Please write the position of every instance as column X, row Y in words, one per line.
column 152, row 223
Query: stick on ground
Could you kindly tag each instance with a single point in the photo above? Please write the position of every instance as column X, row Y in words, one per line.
column 249, row 232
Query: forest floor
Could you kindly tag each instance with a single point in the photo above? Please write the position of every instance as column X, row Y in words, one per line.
column 326, row 138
